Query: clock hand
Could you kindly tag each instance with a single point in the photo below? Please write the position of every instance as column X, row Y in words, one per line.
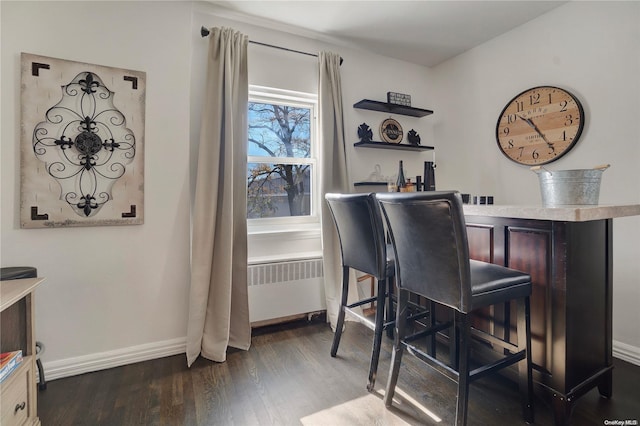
column 534, row 127
column 528, row 121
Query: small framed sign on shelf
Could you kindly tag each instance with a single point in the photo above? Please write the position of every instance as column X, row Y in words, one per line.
column 391, row 131
column 399, row 99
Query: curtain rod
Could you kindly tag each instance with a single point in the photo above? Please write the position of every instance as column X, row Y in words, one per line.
column 204, row 32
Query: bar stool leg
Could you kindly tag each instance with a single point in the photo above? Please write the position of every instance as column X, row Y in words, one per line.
column 396, row 354
column 464, row 325
column 431, row 343
column 454, row 342
column 377, row 337
column 391, row 284
column 341, row 313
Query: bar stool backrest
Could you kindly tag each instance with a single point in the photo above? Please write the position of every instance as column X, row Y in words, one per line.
column 428, row 233
column 360, row 230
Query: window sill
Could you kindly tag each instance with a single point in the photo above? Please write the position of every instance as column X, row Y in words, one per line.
column 257, row 260
column 299, row 231
column 277, row 245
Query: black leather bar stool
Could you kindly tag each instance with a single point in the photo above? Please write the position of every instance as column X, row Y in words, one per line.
column 429, row 238
column 361, row 233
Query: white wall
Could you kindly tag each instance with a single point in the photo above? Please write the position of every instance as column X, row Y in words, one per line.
column 117, row 293
column 591, row 49
column 110, row 291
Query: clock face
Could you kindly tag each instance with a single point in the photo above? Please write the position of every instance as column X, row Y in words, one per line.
column 539, row 125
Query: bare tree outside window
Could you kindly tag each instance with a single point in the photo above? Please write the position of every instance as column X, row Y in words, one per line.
column 278, row 172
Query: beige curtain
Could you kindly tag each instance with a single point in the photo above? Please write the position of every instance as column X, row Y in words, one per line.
column 333, row 166
column 218, row 305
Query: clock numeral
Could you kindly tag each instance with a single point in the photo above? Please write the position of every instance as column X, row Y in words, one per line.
column 505, row 131
column 564, row 135
column 549, row 98
column 511, row 118
column 535, row 154
column 519, row 106
column 521, row 149
column 569, row 121
column 563, row 105
column 510, row 144
column 534, row 99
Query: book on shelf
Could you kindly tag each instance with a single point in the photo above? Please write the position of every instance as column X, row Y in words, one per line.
column 9, row 361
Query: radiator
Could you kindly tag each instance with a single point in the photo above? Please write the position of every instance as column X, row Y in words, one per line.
column 283, row 289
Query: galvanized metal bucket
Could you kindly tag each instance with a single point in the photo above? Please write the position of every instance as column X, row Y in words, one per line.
column 570, row 187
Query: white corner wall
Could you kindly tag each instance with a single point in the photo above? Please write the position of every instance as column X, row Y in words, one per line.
column 591, row 49
column 117, row 294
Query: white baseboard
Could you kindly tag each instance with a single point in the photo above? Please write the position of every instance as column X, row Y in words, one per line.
column 103, row 360
column 116, row 358
column 626, row 352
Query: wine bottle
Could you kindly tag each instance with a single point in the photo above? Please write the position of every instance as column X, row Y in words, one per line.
column 429, row 176
column 401, row 183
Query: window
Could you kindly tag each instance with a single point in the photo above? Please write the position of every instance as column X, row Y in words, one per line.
column 281, row 163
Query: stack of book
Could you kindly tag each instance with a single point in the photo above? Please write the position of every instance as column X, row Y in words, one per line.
column 9, row 361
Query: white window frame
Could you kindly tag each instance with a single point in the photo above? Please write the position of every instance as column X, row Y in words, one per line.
column 270, row 95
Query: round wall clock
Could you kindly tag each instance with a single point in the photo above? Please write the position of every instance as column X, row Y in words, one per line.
column 539, row 125
column 391, row 131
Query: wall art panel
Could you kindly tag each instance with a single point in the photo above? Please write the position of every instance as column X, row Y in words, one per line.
column 82, row 144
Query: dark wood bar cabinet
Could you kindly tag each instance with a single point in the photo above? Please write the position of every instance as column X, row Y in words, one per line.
column 568, row 252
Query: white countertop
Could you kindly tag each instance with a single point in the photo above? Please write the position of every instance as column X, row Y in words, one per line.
column 574, row 213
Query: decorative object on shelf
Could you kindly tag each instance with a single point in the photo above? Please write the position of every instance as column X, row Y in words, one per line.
column 539, row 125
column 410, row 186
column 413, row 137
column 391, row 131
column 377, row 176
column 401, row 183
column 364, row 133
column 81, row 145
column 399, row 99
column 429, row 176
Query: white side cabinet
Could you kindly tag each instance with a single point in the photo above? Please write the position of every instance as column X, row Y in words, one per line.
column 18, row 391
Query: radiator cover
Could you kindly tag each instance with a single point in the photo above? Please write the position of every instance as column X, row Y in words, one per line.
column 282, row 289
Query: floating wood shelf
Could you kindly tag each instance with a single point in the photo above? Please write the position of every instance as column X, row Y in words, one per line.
column 387, row 145
column 370, row 184
column 391, row 108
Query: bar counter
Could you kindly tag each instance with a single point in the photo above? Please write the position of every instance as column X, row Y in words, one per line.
column 568, row 253
column 563, row 213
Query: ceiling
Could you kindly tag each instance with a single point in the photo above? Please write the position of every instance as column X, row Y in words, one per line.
column 425, row 32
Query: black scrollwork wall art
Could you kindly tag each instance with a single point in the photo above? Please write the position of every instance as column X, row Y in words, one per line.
column 88, row 145
column 85, row 143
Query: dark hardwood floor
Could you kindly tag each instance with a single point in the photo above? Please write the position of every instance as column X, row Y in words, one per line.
column 288, row 378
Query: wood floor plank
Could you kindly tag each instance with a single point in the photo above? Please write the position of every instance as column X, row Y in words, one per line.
column 289, row 378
